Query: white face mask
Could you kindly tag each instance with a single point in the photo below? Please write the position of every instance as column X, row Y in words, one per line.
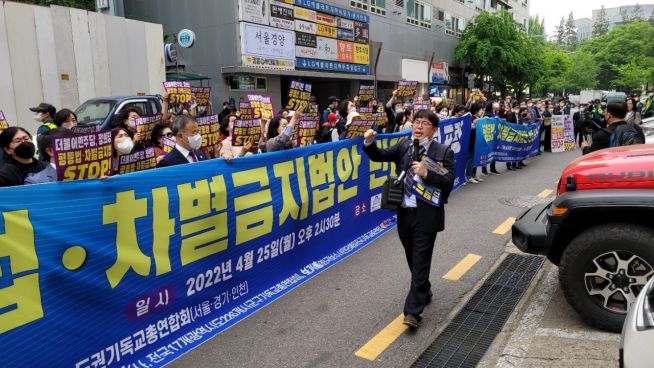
column 125, row 147
column 399, row 111
column 68, row 125
column 37, row 117
column 195, row 141
column 131, row 123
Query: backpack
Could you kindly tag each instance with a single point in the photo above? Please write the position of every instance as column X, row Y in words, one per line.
column 626, row 135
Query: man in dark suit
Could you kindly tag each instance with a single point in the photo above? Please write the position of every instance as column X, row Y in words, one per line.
column 418, row 221
column 187, row 143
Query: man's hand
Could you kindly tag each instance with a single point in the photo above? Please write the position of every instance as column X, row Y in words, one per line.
column 419, row 169
column 227, row 156
column 584, row 144
column 369, row 136
column 137, row 137
column 394, row 93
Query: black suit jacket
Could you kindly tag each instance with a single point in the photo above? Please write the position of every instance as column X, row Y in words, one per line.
column 175, row 157
column 431, row 218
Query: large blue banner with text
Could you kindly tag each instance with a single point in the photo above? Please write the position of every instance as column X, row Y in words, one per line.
column 500, row 141
column 455, row 133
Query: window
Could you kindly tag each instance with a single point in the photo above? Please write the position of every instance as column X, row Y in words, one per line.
column 454, row 26
column 359, row 4
column 246, row 82
column 375, row 6
column 480, row 5
column 418, row 13
column 399, row 3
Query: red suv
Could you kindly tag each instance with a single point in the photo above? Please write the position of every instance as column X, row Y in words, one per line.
column 599, row 231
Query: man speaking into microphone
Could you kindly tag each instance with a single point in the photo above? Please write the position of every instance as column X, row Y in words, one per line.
column 426, row 168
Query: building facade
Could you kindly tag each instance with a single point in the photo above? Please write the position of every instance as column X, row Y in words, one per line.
column 616, row 16
column 584, row 29
column 336, row 45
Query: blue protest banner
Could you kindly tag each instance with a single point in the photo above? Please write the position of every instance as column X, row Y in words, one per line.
column 455, row 133
column 500, row 141
column 138, row 269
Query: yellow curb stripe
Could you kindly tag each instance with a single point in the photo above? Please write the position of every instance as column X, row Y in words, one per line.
column 545, row 193
column 505, row 227
column 462, row 267
column 373, row 348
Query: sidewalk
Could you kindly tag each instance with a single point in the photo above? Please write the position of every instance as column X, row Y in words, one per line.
column 544, row 331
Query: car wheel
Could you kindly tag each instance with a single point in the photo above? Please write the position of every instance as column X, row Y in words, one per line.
column 604, row 268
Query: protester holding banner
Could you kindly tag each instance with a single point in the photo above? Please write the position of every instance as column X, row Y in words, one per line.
column 20, row 163
column 44, row 141
column 477, row 111
column 492, row 111
column 393, row 107
column 65, row 118
column 122, row 144
column 229, row 150
column 280, row 132
column 332, row 106
column 127, row 120
column 188, row 141
column 404, row 120
column 161, row 134
column 458, row 111
column 418, row 219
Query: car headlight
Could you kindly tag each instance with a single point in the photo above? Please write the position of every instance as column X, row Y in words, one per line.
column 645, row 308
column 649, row 132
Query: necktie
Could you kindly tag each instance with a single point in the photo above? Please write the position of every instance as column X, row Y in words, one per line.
column 194, row 158
column 409, row 177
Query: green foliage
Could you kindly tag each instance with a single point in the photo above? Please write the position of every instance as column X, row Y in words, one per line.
column 631, row 76
column 536, row 29
column 560, row 33
column 571, row 40
column 555, row 63
column 493, row 45
column 81, row 4
column 582, row 73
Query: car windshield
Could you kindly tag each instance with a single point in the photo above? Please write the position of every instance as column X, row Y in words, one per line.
column 94, row 112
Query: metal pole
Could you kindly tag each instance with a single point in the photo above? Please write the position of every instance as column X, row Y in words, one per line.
column 376, row 64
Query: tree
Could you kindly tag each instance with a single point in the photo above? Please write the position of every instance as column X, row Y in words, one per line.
column 81, row 4
column 601, row 25
column 637, row 14
column 571, row 33
column 625, row 15
column 631, row 76
column 536, row 29
column 582, row 73
column 493, row 46
column 555, row 63
column 559, row 32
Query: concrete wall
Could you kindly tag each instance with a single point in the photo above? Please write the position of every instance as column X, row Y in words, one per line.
column 65, row 56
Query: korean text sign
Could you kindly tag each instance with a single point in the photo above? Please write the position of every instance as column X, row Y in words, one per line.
column 202, row 95
column 246, row 128
column 299, row 94
column 178, row 92
column 209, row 129
column 305, row 130
column 173, row 256
column 3, row 121
column 406, row 88
column 137, row 161
column 262, row 107
column 84, row 156
column 145, row 125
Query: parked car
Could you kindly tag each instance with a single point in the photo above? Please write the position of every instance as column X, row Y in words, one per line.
column 599, row 231
column 648, row 129
column 102, row 111
column 637, row 337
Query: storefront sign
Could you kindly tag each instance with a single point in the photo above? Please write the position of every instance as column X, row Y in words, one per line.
column 361, row 33
column 345, row 51
column 254, row 11
column 327, row 48
column 325, row 19
column 332, row 66
column 440, row 73
column 268, row 63
column 345, row 24
column 333, row 10
column 305, row 39
column 361, row 54
column 267, row 42
column 305, row 14
column 281, row 15
column 344, row 34
column 304, row 26
column 306, row 52
column 327, row 31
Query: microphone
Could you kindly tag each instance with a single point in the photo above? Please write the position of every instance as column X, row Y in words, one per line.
column 400, row 178
column 416, row 149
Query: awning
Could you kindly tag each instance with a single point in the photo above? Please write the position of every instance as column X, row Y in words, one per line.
column 185, row 76
column 293, row 73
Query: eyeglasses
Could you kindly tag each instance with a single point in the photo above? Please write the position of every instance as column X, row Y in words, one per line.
column 168, row 135
column 423, row 123
column 21, row 140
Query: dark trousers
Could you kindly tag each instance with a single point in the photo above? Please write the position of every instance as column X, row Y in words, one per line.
column 418, row 249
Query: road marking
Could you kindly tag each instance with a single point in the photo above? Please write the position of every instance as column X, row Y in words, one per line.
column 373, row 348
column 545, row 193
column 505, row 227
column 462, row 267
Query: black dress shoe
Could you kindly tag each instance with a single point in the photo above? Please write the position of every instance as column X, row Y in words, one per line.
column 510, row 168
column 518, row 168
column 429, row 299
column 411, row 321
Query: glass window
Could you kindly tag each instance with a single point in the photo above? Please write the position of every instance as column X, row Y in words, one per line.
column 448, row 20
column 93, row 112
column 427, row 11
column 411, row 8
column 378, row 3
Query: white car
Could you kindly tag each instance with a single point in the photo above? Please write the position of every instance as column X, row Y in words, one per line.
column 648, row 129
column 637, row 337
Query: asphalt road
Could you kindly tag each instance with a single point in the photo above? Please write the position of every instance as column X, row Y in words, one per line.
column 325, row 321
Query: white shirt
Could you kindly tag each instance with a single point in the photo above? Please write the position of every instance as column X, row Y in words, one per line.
column 409, row 200
column 186, row 153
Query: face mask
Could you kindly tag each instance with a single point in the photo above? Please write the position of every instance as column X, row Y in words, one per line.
column 125, row 147
column 25, row 150
column 68, row 125
column 516, row 111
column 131, row 123
column 551, row 110
column 399, row 111
column 530, row 105
column 195, row 141
column 37, row 117
column 524, row 115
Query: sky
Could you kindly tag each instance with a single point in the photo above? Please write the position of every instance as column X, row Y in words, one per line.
column 553, row 10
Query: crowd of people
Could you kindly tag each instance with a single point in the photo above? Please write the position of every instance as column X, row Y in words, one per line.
column 24, row 162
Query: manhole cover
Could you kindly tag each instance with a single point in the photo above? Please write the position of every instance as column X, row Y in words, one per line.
column 524, row 201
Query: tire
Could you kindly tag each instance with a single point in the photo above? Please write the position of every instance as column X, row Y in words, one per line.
column 592, row 253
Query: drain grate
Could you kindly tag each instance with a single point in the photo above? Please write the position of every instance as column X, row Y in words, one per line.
column 524, row 201
column 465, row 340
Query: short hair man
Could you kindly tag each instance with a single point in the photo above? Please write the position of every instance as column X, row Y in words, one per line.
column 614, row 116
column 418, row 221
column 187, row 143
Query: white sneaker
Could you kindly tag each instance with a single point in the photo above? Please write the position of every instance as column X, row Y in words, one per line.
column 483, row 174
column 473, row 181
column 479, row 179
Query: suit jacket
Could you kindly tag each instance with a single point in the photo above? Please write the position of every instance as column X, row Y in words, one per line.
column 47, row 175
column 431, row 218
column 175, row 157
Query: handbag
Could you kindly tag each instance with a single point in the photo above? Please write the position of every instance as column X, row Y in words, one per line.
column 392, row 194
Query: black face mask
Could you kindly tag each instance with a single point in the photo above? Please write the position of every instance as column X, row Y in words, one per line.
column 524, row 115
column 25, row 150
